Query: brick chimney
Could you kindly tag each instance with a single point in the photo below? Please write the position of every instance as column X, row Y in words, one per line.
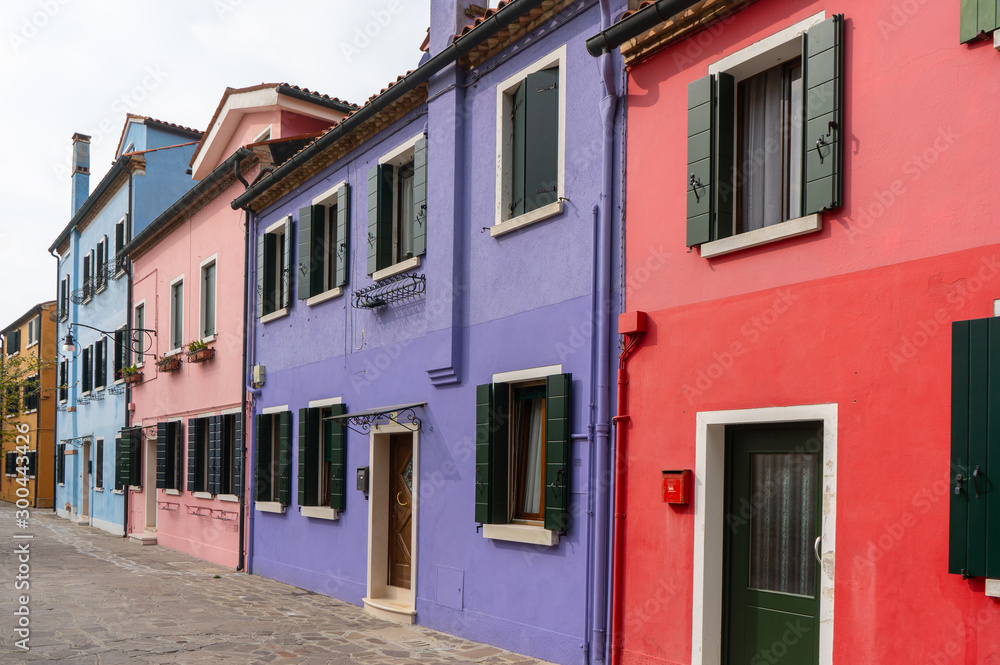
column 448, row 17
column 81, row 170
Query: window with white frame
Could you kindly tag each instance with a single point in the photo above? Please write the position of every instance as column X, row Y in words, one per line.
column 274, row 276
column 32, row 392
column 121, row 349
column 273, row 457
column 208, row 301
column 397, row 206
column 177, row 314
column 99, row 464
column 100, row 364
column 101, row 268
column 64, row 298
column 138, row 337
column 121, row 238
column 324, row 243
column 63, row 380
column 322, row 456
column 88, row 374
column 531, row 110
column 198, row 453
column 88, row 276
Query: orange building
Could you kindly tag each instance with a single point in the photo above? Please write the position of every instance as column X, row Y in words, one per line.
column 29, row 405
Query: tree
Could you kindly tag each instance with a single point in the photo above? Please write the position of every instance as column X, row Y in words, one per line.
column 20, row 390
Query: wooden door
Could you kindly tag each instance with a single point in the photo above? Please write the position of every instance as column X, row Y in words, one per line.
column 773, row 521
column 400, row 508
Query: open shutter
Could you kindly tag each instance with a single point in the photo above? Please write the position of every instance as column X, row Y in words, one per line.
column 308, row 455
column 373, row 219
column 162, row 431
column 978, row 17
column 312, row 222
column 822, row 73
column 193, row 439
column 215, row 454
column 492, row 442
column 723, row 143
column 518, row 153
column 557, row 450
column 122, row 453
column 541, row 139
column 288, row 273
column 261, row 269
column 262, row 458
column 285, row 458
column 238, row 454
column 699, row 177
column 342, row 252
column 336, row 454
column 419, row 216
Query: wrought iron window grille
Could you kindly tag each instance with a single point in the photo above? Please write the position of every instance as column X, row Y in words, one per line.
column 390, row 290
column 361, row 421
column 85, row 293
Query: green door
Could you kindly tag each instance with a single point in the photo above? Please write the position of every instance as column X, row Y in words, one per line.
column 772, row 585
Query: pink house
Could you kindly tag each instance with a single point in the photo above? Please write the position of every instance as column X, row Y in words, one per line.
column 187, row 470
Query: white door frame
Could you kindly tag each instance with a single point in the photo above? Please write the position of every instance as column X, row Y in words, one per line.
column 149, row 481
column 709, row 521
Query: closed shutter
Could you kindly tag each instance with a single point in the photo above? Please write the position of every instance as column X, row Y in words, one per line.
column 336, row 454
column 386, row 215
column 162, row 433
column 260, row 274
column 285, row 458
column 33, row 466
column 288, row 273
column 61, row 464
column 541, row 139
column 558, row 400
column 121, row 459
column 518, row 152
column 309, row 440
column 98, row 464
column 492, row 443
column 262, row 458
column 420, row 197
column 271, row 276
column 178, row 450
column 215, row 454
column 8, row 463
column 342, row 251
column 195, row 429
column 238, row 454
column 372, row 239
column 312, row 221
column 700, row 171
column 822, row 74
column 978, row 17
column 136, row 441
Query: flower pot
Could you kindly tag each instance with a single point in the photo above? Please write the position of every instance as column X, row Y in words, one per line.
column 133, row 378
column 201, row 355
column 169, row 364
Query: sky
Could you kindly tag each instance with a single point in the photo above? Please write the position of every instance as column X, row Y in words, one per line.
column 80, row 65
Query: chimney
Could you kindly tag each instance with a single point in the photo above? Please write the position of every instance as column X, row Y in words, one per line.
column 81, row 170
column 448, row 17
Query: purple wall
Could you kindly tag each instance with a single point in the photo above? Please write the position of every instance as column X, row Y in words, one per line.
column 517, row 301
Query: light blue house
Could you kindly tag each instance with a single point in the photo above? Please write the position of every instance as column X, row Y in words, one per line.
column 149, row 173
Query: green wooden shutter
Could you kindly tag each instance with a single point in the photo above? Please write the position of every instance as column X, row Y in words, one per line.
column 518, row 120
column 492, row 443
column 61, row 464
column 699, row 181
column 270, row 272
column 162, row 432
column 484, row 437
column 386, row 215
column 336, row 454
column 342, row 251
column 724, row 188
column 215, row 454
column 285, row 458
column 134, row 461
column 238, row 454
column 541, row 139
column 312, row 222
column 558, row 400
column 372, row 240
column 194, row 430
column 822, row 74
column 260, row 274
column 978, row 17
column 178, row 432
column 309, row 441
column 420, row 196
column 289, row 272
column 262, row 480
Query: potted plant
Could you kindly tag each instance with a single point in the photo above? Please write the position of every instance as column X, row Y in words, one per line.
column 131, row 374
column 169, row 363
column 199, row 352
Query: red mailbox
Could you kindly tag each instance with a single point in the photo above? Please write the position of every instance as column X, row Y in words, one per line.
column 677, row 486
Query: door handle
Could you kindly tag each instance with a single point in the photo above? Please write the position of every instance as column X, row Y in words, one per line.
column 397, row 498
column 816, row 544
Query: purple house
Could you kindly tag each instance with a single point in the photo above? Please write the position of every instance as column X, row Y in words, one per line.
column 428, row 341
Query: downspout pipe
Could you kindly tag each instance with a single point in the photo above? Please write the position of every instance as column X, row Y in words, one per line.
column 612, row 36
column 602, row 428
column 128, row 320
column 55, row 417
column 499, row 20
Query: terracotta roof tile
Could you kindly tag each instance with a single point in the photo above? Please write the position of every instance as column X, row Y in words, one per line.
column 482, row 19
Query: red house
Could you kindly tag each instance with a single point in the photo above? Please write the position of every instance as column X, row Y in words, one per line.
column 811, row 207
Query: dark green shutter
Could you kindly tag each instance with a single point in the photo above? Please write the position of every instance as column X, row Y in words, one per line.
column 262, row 458
column 285, row 458
column 178, row 455
column 162, row 432
column 420, row 196
column 270, row 272
column 61, row 464
column 342, row 251
column 312, row 223
column 336, row 455
column 215, row 454
column 724, row 189
column 260, row 274
column 978, row 17
column 492, row 443
column 372, row 239
column 131, row 457
column 309, row 441
column 699, row 181
column 289, row 272
column 518, row 120
column 194, row 439
column 238, row 454
column 822, row 74
column 558, row 400
column 386, row 215
column 541, row 139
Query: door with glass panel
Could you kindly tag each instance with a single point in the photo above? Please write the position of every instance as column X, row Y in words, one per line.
column 772, row 531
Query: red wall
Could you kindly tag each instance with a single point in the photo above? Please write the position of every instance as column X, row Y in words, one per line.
column 857, row 314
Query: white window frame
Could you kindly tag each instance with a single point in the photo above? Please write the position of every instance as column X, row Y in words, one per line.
column 770, row 51
column 328, row 199
column 212, row 260
column 87, row 370
column 65, row 377
column 88, row 267
column 505, row 92
column 173, row 350
column 119, row 265
column 103, row 342
column 321, row 512
column 99, row 443
column 401, row 155
column 278, row 228
column 263, row 135
column 101, row 285
column 139, row 306
column 272, row 506
column 64, row 312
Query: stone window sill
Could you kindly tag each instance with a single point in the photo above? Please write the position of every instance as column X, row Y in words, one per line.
column 406, row 264
column 269, row 507
column 521, row 533
column 528, row 218
column 273, row 316
column 318, row 512
column 768, row 234
column 323, row 297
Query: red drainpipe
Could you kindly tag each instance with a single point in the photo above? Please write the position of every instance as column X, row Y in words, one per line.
column 632, row 326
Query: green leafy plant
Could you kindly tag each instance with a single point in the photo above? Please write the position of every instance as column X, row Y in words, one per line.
column 196, row 345
column 130, row 370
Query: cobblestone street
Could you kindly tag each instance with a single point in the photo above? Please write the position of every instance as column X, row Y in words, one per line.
column 97, row 598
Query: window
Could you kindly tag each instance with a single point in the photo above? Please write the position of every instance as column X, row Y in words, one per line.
column 397, row 206
column 177, row 314
column 978, row 19
column 208, row 299
column 32, row 463
column 139, row 337
column 230, row 454
column 273, row 457
column 64, row 298
column 88, row 276
column 121, row 352
column 198, row 453
column 13, row 341
column 87, row 371
column 324, row 243
column 99, row 464
column 273, row 276
column 12, row 399
column 523, row 448
column 100, row 364
column 128, row 458
column 530, row 144
column 121, row 237
column 10, row 464
column 34, row 331
column 169, row 455
column 101, row 268
column 61, row 464
column 322, row 457
column 63, row 380
column 31, row 393
column 764, row 139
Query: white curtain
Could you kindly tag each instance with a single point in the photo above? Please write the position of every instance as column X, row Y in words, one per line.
column 406, row 214
column 533, row 467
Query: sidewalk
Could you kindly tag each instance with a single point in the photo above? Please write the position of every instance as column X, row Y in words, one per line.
column 96, row 598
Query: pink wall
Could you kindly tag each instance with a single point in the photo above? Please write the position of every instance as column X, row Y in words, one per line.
column 858, row 314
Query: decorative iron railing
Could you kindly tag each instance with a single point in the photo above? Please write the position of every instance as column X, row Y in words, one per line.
column 390, row 290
